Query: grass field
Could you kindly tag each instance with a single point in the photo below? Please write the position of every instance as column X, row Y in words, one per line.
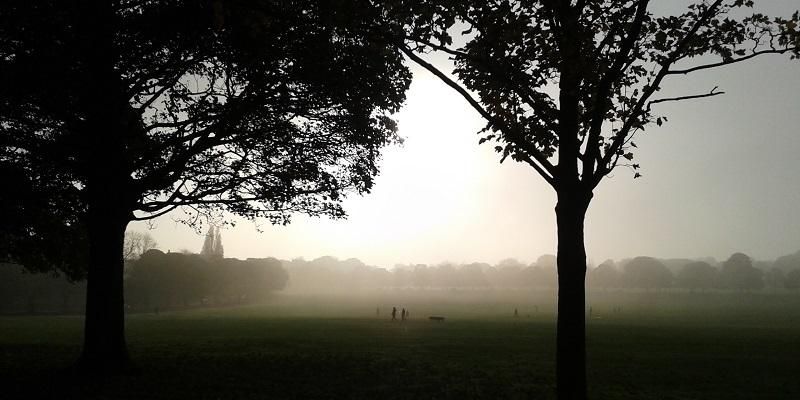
column 660, row 346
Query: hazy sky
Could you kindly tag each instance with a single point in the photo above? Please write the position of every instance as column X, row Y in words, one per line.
column 720, row 177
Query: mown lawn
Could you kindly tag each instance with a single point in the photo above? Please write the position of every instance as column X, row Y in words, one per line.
column 323, row 349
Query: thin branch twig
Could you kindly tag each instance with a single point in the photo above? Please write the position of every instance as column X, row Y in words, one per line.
column 712, row 93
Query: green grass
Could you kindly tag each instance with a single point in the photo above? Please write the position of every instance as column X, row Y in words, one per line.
column 662, row 346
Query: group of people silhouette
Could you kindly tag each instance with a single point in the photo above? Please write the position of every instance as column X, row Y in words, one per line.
column 404, row 314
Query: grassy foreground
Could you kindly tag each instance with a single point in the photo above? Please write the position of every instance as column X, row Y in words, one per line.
column 660, row 346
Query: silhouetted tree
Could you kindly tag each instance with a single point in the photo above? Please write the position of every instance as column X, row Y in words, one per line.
column 788, row 262
column 40, row 227
column 153, row 278
column 605, row 61
column 113, row 111
column 166, row 280
column 738, row 273
column 136, row 244
column 697, row 275
column 647, row 273
column 605, row 276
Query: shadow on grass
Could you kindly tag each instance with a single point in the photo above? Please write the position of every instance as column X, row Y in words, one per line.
column 264, row 375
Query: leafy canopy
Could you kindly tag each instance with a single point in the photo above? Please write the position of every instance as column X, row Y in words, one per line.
column 566, row 85
column 260, row 108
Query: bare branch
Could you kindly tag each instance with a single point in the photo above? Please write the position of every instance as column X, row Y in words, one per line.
column 731, row 61
column 712, row 93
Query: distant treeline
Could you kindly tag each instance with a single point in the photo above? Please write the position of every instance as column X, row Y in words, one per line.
column 156, row 280
column 167, row 280
column 739, row 272
column 159, row 279
column 328, row 273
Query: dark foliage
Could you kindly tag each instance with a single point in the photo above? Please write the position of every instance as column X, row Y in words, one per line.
column 738, row 273
column 113, row 111
column 175, row 279
column 565, row 86
column 697, row 275
column 258, row 108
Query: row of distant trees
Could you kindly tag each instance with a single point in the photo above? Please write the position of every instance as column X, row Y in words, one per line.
column 156, row 280
column 738, row 272
column 161, row 280
column 153, row 280
column 327, row 272
column 165, row 280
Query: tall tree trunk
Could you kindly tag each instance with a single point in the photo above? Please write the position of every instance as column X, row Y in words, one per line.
column 108, row 214
column 104, row 347
column 571, row 327
column 108, row 193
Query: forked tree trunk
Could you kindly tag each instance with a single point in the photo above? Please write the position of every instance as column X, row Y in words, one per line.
column 571, row 328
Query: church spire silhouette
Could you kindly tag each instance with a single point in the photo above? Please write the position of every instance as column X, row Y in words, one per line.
column 212, row 245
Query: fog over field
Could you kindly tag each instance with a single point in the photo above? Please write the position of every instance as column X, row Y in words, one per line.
column 158, row 281
column 400, row 199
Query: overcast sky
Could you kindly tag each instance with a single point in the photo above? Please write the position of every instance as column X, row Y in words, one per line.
column 720, row 177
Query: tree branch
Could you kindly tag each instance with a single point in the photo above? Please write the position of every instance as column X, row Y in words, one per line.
column 434, row 46
column 164, row 210
column 166, row 84
column 544, row 167
column 508, row 75
column 604, row 89
column 731, row 61
column 620, row 137
column 712, row 93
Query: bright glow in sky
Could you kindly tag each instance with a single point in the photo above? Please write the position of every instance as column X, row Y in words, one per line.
column 720, row 177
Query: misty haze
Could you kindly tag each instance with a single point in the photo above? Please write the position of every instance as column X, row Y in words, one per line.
column 405, row 199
